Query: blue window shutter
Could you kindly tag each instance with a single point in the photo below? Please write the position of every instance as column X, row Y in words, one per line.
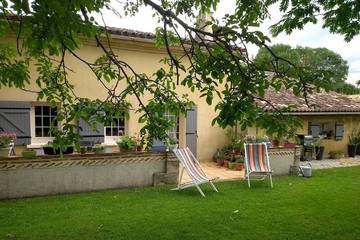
column 89, row 134
column 15, row 117
column 314, row 129
column 339, row 131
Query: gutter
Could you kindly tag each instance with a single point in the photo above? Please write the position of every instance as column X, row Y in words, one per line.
column 321, row 113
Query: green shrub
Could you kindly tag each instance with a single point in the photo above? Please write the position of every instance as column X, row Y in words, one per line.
column 29, row 153
column 98, row 148
column 336, row 154
column 126, row 142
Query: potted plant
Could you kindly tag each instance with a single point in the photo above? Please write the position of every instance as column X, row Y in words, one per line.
column 5, row 140
column 319, row 149
column 228, row 152
column 336, row 154
column 240, row 164
column 357, row 141
column 139, row 143
column 220, row 159
column 352, row 144
column 29, row 153
column 232, row 165
column 126, row 144
column 98, row 149
column 216, row 155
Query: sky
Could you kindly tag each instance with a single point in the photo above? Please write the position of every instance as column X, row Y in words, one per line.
column 311, row 36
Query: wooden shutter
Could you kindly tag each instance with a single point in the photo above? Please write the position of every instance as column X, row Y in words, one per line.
column 314, row 129
column 339, row 131
column 88, row 134
column 15, row 117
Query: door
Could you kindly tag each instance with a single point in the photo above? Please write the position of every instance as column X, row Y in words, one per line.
column 191, row 130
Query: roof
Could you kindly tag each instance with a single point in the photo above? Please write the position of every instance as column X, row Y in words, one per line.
column 322, row 102
column 130, row 33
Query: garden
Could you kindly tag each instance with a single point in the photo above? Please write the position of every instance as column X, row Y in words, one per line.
column 325, row 206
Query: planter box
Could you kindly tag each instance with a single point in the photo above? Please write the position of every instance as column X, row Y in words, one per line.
column 283, row 160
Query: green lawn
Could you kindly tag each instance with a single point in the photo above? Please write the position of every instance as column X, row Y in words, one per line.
column 326, row 206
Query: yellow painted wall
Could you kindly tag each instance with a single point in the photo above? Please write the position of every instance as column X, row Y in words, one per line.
column 144, row 58
column 350, row 122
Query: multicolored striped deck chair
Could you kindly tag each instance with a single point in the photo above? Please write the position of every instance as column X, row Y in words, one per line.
column 257, row 163
column 193, row 169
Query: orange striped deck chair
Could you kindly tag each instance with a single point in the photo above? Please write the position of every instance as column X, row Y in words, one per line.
column 191, row 165
column 257, row 162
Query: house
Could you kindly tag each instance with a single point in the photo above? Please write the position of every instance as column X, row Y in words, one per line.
column 330, row 114
column 20, row 112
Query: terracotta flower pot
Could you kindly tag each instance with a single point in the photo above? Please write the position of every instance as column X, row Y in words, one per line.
column 139, row 148
column 239, row 167
column 226, row 163
column 275, row 143
column 220, row 162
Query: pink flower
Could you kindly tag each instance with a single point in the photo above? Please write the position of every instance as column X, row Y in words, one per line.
column 6, row 138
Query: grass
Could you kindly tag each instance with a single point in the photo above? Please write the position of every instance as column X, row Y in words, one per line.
column 326, row 206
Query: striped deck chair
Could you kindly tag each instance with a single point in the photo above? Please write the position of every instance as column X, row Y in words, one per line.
column 257, row 163
column 193, row 169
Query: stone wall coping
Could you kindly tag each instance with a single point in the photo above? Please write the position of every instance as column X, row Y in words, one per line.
column 80, row 157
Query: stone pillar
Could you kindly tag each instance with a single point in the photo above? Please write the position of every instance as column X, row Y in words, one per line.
column 294, row 169
column 171, row 174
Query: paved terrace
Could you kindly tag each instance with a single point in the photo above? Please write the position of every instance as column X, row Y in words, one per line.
column 331, row 163
column 212, row 170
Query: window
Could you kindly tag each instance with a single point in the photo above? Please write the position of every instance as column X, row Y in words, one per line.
column 327, row 130
column 116, row 128
column 174, row 131
column 45, row 120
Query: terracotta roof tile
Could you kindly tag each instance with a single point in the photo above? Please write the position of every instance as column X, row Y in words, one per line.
column 319, row 102
column 131, row 33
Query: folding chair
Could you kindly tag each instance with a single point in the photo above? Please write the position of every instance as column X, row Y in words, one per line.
column 193, row 169
column 257, row 162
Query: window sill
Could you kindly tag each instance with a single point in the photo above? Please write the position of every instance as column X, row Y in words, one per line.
column 36, row 145
column 109, row 144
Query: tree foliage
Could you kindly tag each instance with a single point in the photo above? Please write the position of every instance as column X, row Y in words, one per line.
column 321, row 59
column 214, row 59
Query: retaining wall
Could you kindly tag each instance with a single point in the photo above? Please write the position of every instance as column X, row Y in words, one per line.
column 284, row 161
column 50, row 175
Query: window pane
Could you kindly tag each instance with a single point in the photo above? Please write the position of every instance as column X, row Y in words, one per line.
column 115, row 131
column 54, row 111
column 108, row 131
column 115, row 122
column 46, row 110
column 38, row 121
column 37, row 110
column 121, row 131
column 121, row 122
column 38, row 132
column 54, row 122
column 46, row 121
column 46, row 132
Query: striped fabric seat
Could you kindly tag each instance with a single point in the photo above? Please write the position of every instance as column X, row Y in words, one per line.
column 257, row 162
column 193, row 169
column 195, row 173
column 256, row 159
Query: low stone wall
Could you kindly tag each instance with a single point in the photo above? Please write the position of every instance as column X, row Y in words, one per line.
column 50, row 175
column 284, row 161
